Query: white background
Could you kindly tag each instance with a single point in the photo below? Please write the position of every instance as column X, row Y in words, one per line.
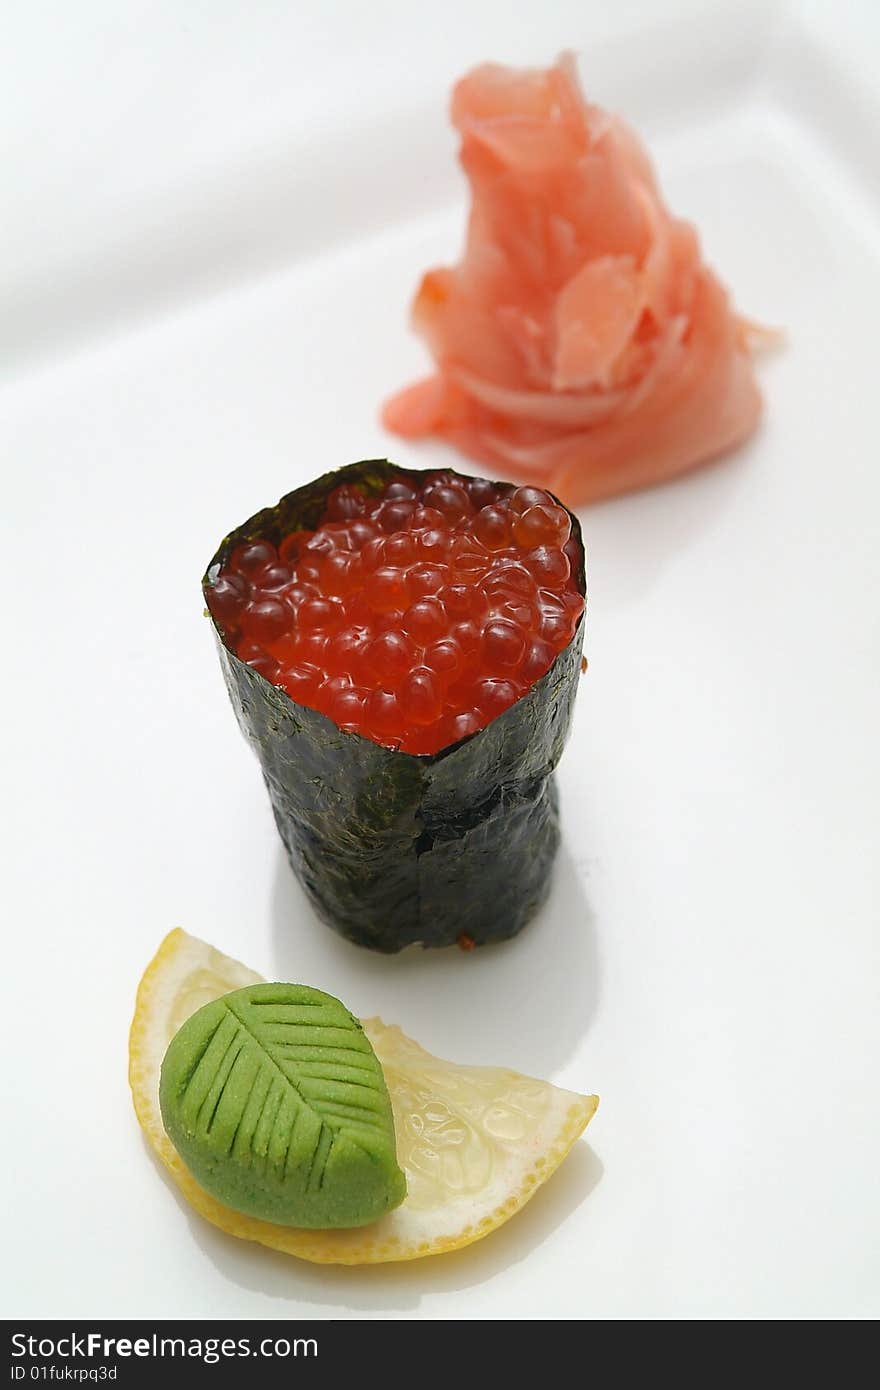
column 213, row 217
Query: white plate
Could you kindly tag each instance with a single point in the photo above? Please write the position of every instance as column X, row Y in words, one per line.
column 215, row 234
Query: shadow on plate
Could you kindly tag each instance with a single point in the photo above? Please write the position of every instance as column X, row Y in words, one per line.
column 393, row 1288
column 525, row 1004
column 631, row 540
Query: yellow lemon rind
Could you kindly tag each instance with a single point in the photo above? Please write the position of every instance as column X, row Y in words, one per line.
column 366, row 1245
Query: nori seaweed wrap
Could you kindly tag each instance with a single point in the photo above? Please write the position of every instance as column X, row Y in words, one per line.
column 398, row 848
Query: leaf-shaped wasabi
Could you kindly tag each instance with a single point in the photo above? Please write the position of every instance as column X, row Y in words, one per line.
column 275, row 1101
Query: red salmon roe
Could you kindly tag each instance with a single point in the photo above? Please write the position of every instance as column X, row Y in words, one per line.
column 413, row 617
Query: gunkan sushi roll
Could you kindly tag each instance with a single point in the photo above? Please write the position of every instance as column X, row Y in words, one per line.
column 402, row 649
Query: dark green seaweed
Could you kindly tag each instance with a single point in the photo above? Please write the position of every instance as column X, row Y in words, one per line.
column 399, row 848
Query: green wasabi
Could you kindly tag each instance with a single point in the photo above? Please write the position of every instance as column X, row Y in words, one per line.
column 274, row 1099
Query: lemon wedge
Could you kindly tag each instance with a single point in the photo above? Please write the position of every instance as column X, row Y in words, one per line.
column 475, row 1142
